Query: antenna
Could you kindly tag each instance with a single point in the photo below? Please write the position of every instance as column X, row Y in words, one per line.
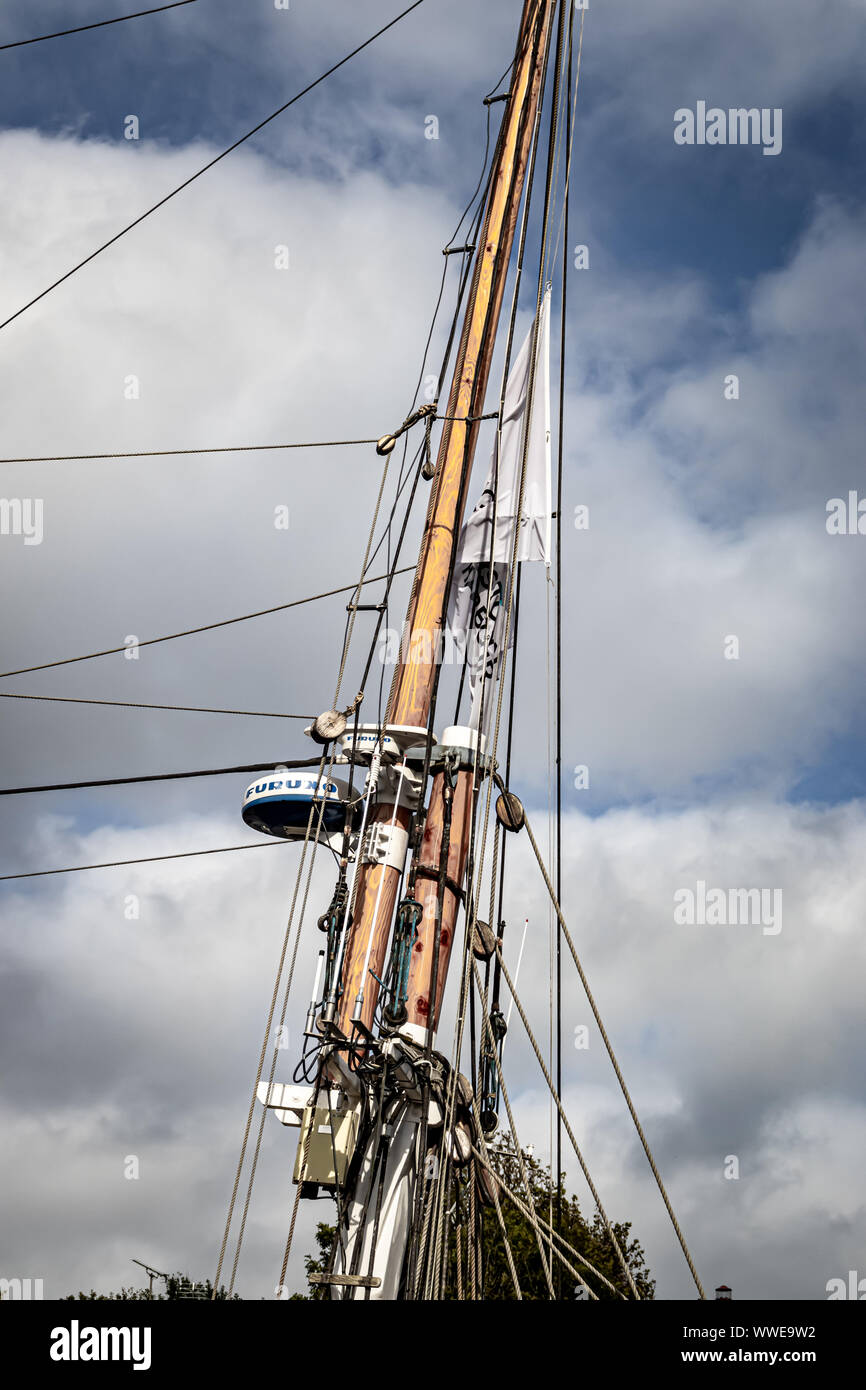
column 151, row 1273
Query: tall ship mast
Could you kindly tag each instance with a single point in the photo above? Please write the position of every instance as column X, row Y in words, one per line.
column 394, row 1122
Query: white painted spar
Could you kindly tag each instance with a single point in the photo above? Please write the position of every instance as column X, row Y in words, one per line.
column 394, row 1218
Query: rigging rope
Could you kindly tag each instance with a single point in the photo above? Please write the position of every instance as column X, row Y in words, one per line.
column 206, row 627
column 574, row 1144
column 524, row 1176
column 138, row 704
column 432, row 1283
column 176, row 453
column 619, row 1076
column 254, row 1164
column 353, row 607
column 495, row 1195
column 151, row 859
column 563, row 216
column 396, row 556
column 289, row 979
column 225, row 448
column 551, row 157
column 100, row 24
column 161, row 777
column 571, row 111
column 434, row 492
column 472, row 916
column 555, row 1236
column 514, row 568
column 389, row 577
column 278, row 977
column 356, row 589
column 204, row 169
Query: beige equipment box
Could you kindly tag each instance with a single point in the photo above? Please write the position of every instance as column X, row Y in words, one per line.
column 332, row 1139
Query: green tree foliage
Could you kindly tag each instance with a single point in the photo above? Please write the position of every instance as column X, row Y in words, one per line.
column 318, row 1264
column 589, row 1238
column 177, row 1286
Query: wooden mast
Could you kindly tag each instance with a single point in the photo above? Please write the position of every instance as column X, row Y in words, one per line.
column 414, row 682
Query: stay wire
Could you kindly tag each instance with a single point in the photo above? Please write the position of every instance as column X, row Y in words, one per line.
column 414, row 469
column 527, row 202
column 100, row 24
column 511, row 583
column 554, row 1235
column 138, row 704
column 569, row 135
column 419, row 1224
column 389, row 578
column 572, row 123
column 418, row 1217
column 415, row 473
column 533, row 34
column 285, row 1004
column 470, row 272
column 211, row 449
column 281, row 966
column 263, row 1053
column 295, row 1210
column 471, row 916
column 550, row 1085
column 205, row 627
column 150, row 859
column 518, row 1152
column 300, row 920
column 612, row 1055
column 500, row 921
column 159, row 777
column 177, row 453
column 210, row 164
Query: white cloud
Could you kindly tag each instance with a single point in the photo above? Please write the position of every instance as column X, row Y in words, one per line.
column 732, row 1042
column 141, row 1037
column 707, row 518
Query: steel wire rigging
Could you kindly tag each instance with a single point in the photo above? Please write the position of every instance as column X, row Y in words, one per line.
column 141, row 704
column 98, row 24
column 210, row 165
column 206, row 627
column 432, row 1218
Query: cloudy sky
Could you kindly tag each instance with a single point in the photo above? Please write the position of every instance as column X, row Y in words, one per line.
column 708, row 521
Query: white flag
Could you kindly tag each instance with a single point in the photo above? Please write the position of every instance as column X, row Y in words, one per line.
column 534, row 542
column 477, row 607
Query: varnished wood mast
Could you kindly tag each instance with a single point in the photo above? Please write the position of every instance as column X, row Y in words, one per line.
column 414, row 681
